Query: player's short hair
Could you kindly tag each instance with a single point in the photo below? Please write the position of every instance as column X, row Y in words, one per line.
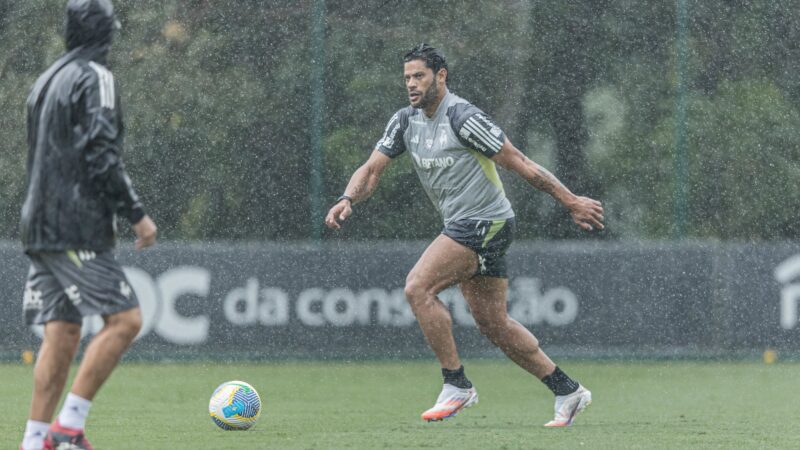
column 433, row 57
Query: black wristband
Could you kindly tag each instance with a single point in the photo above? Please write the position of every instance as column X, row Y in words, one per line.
column 345, row 197
column 136, row 214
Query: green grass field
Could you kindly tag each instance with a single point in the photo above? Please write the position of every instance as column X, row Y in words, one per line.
column 670, row 405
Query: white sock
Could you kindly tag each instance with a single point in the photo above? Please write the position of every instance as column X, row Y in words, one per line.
column 73, row 413
column 35, row 432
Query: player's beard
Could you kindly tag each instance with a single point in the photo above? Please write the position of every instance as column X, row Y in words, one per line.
column 428, row 97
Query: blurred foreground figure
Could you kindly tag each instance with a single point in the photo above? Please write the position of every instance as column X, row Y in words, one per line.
column 454, row 146
column 76, row 185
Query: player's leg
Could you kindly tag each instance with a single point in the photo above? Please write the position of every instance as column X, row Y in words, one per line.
column 104, row 351
column 96, row 285
column 99, row 360
column 486, row 297
column 45, row 303
column 443, row 264
column 58, row 348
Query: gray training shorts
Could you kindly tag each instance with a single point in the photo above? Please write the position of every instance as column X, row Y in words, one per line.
column 489, row 239
column 76, row 283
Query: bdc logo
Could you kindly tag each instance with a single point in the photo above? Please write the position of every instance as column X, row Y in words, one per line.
column 178, row 305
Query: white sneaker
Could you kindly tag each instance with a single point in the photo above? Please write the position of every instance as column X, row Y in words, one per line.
column 568, row 406
column 451, row 400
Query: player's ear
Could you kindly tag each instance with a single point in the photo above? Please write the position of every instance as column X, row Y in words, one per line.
column 441, row 75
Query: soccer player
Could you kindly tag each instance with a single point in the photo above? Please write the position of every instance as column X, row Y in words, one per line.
column 77, row 184
column 454, row 147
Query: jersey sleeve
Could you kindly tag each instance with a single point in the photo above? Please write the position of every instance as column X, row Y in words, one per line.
column 475, row 129
column 102, row 121
column 392, row 143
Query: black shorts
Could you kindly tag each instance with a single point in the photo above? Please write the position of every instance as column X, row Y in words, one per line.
column 73, row 284
column 490, row 239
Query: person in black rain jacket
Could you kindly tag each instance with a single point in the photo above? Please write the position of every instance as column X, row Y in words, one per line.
column 76, row 179
column 77, row 184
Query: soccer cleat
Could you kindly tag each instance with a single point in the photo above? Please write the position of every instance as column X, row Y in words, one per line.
column 451, row 400
column 62, row 438
column 568, row 406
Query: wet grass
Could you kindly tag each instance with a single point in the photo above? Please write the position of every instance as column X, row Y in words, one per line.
column 377, row 405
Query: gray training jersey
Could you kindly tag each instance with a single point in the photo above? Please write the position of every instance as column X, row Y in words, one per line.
column 451, row 152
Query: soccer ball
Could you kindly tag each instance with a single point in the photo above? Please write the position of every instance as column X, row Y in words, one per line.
column 234, row 405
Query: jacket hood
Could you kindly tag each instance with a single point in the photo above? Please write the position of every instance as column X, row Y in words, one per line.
column 90, row 24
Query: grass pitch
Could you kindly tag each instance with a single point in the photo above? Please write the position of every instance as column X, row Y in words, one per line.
column 310, row 405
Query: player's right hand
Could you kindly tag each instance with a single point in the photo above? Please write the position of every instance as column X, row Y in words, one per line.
column 587, row 213
column 145, row 231
column 338, row 214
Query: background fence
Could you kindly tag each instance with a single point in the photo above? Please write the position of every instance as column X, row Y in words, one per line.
column 597, row 300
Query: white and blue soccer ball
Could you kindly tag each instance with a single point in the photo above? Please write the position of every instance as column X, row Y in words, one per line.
column 234, row 405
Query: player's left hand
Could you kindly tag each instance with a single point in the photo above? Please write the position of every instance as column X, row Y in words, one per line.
column 338, row 213
column 587, row 213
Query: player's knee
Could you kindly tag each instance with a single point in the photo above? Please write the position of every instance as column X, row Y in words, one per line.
column 134, row 322
column 418, row 296
column 414, row 291
column 64, row 336
column 127, row 323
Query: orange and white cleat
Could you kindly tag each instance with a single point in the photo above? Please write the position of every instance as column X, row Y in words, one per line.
column 63, row 438
column 451, row 400
column 568, row 406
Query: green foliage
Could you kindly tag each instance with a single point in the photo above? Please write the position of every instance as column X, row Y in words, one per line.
column 217, row 103
column 745, row 181
column 19, row 65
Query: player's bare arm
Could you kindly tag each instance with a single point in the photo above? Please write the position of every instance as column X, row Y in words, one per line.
column 145, row 230
column 361, row 186
column 587, row 213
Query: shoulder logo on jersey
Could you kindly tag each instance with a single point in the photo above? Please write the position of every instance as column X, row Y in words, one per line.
column 485, row 120
column 391, row 132
column 482, row 134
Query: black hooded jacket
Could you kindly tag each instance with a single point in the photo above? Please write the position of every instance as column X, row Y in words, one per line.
column 76, row 178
